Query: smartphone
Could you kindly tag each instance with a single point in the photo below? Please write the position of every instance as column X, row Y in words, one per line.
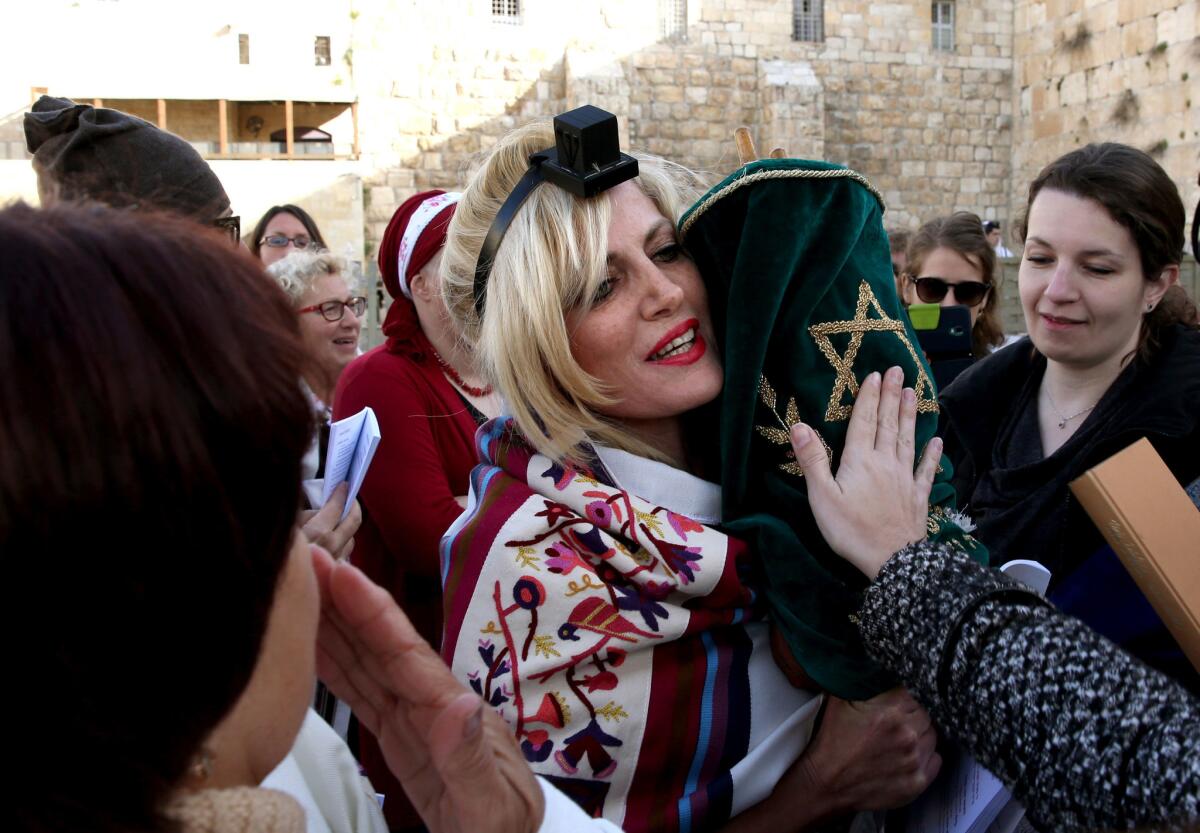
column 944, row 333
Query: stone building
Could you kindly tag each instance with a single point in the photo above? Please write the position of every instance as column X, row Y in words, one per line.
column 350, row 106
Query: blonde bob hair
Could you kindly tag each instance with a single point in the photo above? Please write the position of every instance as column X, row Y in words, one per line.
column 553, row 259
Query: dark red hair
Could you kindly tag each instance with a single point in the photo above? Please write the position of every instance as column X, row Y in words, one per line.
column 152, row 431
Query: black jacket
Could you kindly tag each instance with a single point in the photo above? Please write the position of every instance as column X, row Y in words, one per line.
column 1029, row 509
column 1026, row 510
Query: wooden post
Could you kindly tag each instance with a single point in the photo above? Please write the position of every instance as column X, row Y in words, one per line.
column 162, row 114
column 223, row 126
column 97, row 103
column 354, row 119
column 289, row 120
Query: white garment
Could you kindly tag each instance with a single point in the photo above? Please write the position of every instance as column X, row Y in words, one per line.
column 322, row 413
column 1002, row 251
column 1008, row 339
column 663, row 484
column 323, row 776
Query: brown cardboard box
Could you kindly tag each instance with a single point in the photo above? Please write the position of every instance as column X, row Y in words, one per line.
column 1154, row 528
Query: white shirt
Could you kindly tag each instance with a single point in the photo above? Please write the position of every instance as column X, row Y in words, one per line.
column 321, row 774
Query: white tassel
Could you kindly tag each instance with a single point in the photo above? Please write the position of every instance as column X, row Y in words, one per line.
column 962, row 520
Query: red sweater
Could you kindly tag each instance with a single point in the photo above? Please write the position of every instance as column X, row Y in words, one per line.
column 425, row 455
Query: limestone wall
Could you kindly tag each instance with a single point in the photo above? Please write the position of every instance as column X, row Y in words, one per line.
column 1095, row 70
column 437, row 81
column 932, row 130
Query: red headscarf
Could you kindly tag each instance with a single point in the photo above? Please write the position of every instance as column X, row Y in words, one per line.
column 415, row 246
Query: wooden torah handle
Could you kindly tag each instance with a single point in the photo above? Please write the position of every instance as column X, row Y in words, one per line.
column 745, row 146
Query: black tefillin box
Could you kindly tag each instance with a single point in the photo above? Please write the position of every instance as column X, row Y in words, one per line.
column 586, row 158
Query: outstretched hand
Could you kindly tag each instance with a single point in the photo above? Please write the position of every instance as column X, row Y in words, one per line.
column 456, row 759
column 875, row 504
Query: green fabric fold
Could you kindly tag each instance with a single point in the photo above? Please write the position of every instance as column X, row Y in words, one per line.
column 799, row 278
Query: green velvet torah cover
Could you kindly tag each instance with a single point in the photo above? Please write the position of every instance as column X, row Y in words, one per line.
column 800, row 283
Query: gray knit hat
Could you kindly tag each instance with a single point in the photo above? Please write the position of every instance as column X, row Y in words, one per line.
column 118, row 159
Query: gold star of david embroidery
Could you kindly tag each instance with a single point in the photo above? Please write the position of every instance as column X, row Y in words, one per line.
column 843, row 366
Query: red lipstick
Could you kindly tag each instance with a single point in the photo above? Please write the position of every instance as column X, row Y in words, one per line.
column 693, row 354
column 674, row 333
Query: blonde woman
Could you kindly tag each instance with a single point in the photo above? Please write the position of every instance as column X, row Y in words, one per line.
column 590, row 598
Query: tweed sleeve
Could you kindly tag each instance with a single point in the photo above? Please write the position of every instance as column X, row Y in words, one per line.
column 1085, row 736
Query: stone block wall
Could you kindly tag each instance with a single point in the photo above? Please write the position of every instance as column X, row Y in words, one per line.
column 686, row 101
column 1107, row 70
column 933, row 130
column 438, row 82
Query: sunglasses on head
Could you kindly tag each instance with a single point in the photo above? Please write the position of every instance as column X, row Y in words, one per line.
column 967, row 293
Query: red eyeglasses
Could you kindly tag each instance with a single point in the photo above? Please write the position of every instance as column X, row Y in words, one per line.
column 334, row 310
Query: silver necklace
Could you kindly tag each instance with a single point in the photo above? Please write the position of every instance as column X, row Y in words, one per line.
column 1063, row 420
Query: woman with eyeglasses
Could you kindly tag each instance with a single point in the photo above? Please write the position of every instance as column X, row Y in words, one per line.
column 429, row 397
column 282, row 230
column 949, row 262
column 1112, row 356
column 330, row 319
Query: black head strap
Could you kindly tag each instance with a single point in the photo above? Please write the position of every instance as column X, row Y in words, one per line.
column 504, row 217
column 585, row 160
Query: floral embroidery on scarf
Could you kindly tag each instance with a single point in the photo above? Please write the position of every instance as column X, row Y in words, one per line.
column 590, row 620
column 607, row 566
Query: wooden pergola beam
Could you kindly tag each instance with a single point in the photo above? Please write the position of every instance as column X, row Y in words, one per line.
column 223, row 126
column 289, row 121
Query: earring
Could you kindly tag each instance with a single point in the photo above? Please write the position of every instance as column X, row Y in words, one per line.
column 1149, row 307
column 201, row 766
